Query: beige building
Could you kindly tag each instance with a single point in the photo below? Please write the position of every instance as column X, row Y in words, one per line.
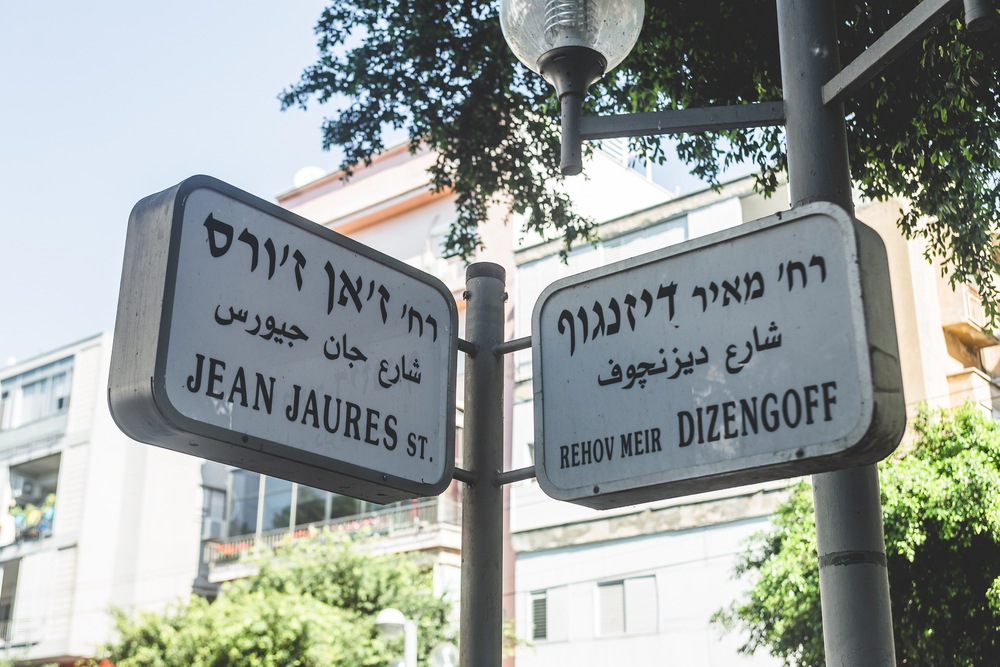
column 947, row 355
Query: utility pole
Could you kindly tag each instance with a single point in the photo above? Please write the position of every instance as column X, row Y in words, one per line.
column 854, row 581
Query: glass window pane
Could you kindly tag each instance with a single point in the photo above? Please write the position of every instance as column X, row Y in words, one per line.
column 245, row 484
column 310, row 505
column 243, row 517
column 343, row 506
column 243, row 503
column 277, row 509
column 5, row 409
column 275, row 485
column 60, row 392
column 31, row 395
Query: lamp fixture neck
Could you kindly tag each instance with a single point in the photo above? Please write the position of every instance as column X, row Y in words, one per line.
column 572, row 69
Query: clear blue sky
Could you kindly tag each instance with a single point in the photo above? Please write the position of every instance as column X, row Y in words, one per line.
column 104, row 103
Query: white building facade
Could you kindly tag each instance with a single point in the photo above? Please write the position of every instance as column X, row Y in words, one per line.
column 100, row 520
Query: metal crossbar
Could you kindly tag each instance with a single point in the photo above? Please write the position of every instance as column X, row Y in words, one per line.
column 876, row 57
column 681, row 121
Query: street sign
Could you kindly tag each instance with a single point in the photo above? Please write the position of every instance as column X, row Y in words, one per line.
column 251, row 336
column 761, row 352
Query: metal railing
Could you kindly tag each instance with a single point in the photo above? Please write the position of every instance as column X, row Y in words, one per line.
column 36, row 532
column 19, row 633
column 385, row 522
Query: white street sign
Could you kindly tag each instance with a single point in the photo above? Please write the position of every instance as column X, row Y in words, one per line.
column 764, row 351
column 277, row 345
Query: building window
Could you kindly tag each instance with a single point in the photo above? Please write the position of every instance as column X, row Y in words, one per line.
column 283, row 503
column 549, row 614
column 25, row 598
column 245, row 490
column 33, row 492
column 213, row 513
column 539, row 618
column 39, row 393
column 310, row 505
column 277, row 503
column 611, row 602
column 627, row 606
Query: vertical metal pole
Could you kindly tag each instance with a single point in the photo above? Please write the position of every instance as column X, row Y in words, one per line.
column 571, row 105
column 481, row 621
column 854, row 582
column 410, row 643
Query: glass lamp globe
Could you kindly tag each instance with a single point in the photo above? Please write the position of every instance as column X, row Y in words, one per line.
column 444, row 654
column 390, row 623
column 533, row 28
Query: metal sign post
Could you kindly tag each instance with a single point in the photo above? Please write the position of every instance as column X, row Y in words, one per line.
column 481, row 625
column 854, row 582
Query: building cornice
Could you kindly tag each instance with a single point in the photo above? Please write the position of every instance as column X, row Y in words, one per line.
column 651, row 521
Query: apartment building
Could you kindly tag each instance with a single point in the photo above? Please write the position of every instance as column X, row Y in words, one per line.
column 95, row 519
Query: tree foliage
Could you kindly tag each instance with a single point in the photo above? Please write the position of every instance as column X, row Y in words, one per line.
column 941, row 511
column 925, row 129
column 312, row 605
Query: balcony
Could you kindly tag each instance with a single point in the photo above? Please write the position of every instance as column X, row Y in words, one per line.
column 33, row 501
column 33, row 523
column 972, row 384
column 963, row 315
column 427, row 525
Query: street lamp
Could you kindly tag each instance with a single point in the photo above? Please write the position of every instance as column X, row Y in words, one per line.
column 391, row 624
column 571, row 44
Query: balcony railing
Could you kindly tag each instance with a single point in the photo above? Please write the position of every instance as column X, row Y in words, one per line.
column 32, row 532
column 19, row 633
column 379, row 523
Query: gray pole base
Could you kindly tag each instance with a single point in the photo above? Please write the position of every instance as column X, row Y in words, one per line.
column 853, row 579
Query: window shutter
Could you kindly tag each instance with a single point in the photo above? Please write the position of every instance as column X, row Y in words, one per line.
column 640, row 605
column 611, row 600
column 539, row 616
